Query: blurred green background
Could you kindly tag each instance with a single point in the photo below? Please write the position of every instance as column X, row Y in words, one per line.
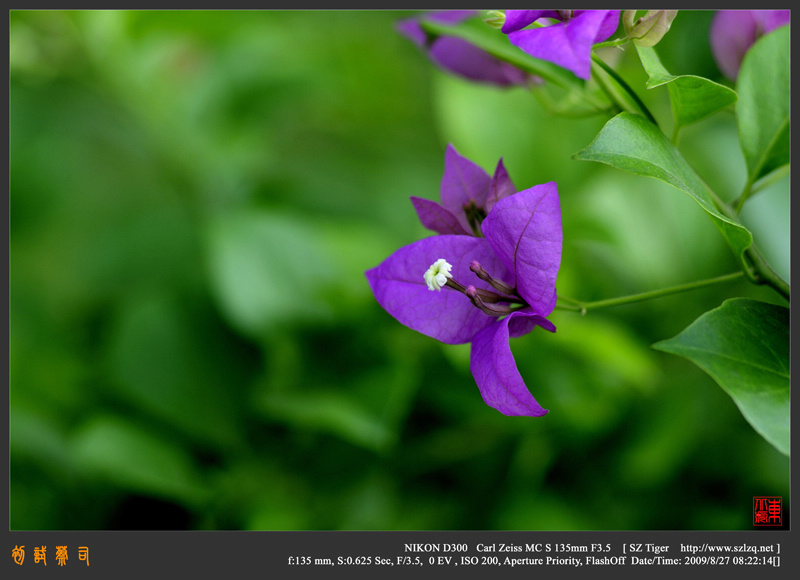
column 193, row 345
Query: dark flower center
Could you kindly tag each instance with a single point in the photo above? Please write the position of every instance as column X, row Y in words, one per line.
column 475, row 215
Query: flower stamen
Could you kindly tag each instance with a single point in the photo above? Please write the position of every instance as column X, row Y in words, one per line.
column 491, row 310
column 498, row 285
column 489, row 302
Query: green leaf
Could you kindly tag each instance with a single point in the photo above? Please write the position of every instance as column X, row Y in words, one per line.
column 267, row 269
column 327, row 411
column 37, row 438
column 136, row 459
column 631, row 143
column 165, row 358
column 764, row 87
column 692, row 97
column 744, row 346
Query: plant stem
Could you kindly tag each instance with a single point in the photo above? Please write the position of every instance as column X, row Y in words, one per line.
column 606, row 44
column 751, row 189
column 634, row 104
column 568, row 299
column 753, row 263
column 746, row 192
column 584, row 307
column 768, row 180
column 764, row 274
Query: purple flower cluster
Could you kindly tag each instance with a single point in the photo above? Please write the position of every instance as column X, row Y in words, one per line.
column 563, row 37
column 567, row 42
column 457, row 56
column 489, row 276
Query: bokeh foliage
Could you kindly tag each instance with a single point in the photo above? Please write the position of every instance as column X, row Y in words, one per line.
column 194, row 199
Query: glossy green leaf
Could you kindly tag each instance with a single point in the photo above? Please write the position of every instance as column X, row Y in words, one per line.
column 692, row 97
column 764, row 87
column 633, row 144
column 744, row 346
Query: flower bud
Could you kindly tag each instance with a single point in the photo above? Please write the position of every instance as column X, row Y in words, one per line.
column 495, row 18
column 650, row 28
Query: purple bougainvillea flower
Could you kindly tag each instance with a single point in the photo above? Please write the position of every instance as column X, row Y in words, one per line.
column 458, row 56
column 483, row 290
column 568, row 42
column 467, row 193
column 733, row 32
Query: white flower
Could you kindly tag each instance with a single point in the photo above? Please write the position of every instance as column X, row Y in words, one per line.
column 437, row 274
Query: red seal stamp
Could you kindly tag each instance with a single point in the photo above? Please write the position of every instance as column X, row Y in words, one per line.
column 767, row 510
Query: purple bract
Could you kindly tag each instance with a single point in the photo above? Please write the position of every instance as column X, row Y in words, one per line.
column 568, row 42
column 458, row 56
column 467, row 193
column 733, row 32
column 499, row 284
